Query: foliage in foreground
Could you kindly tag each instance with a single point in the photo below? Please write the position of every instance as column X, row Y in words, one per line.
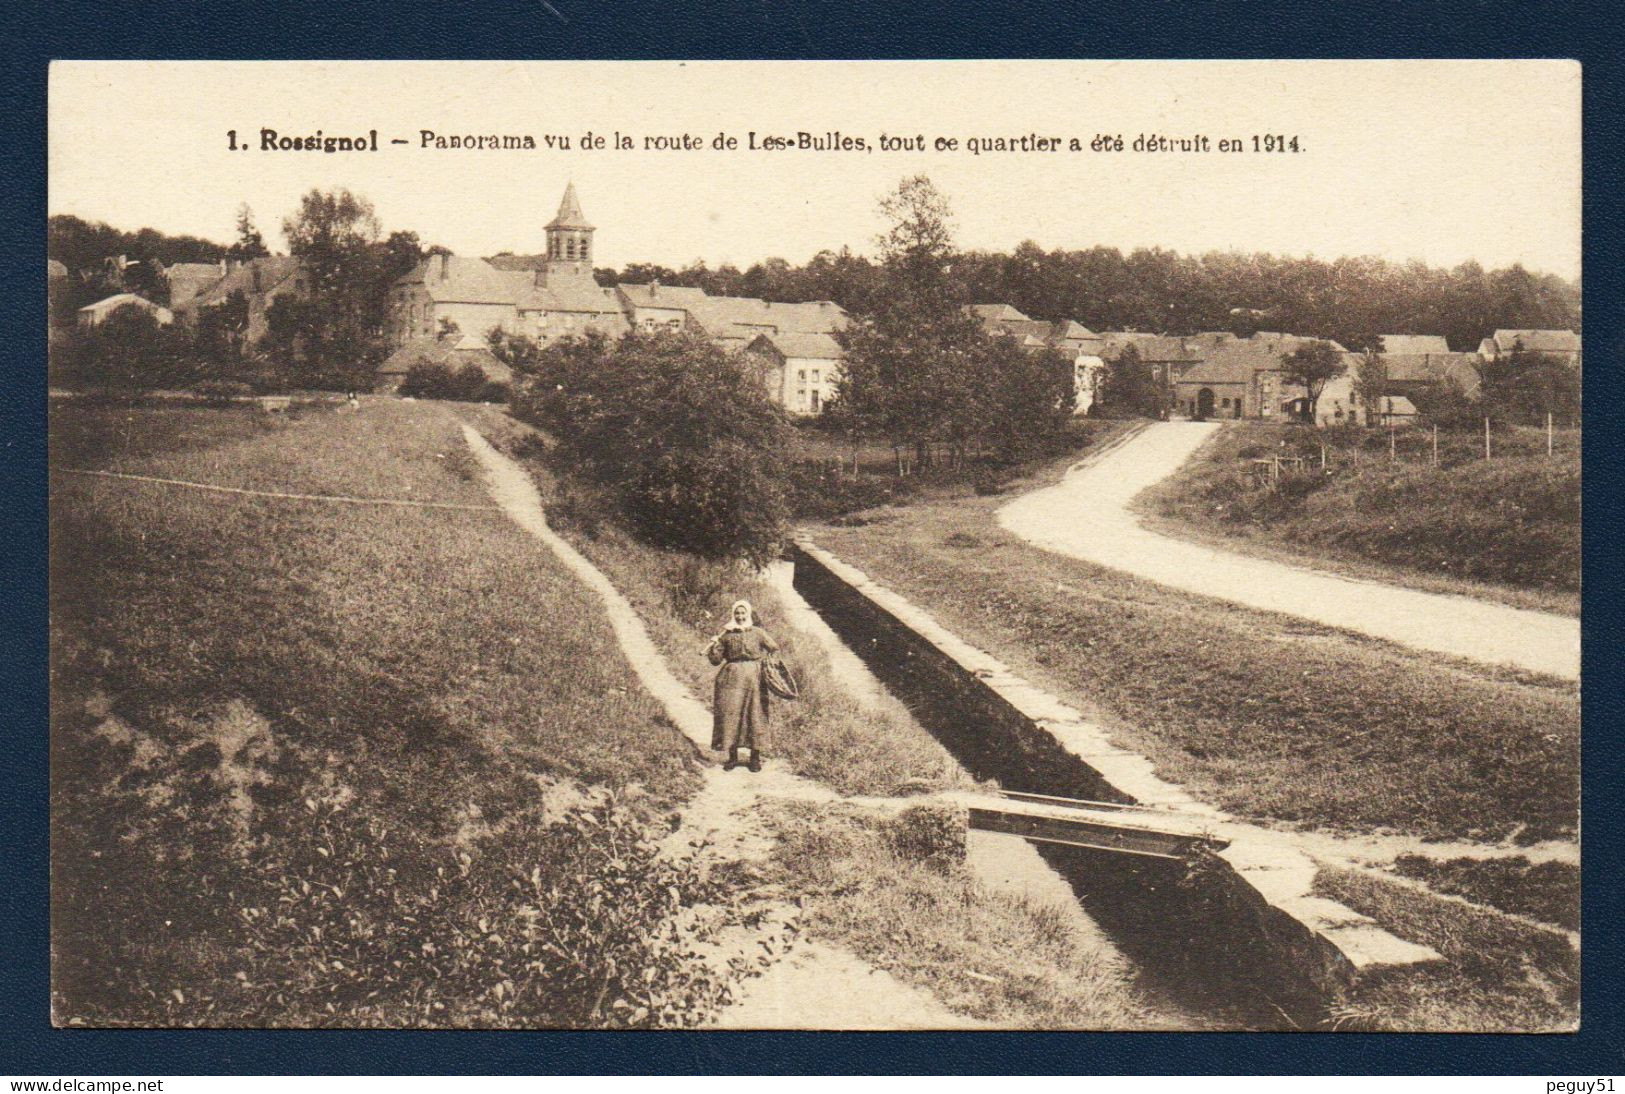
column 680, row 438
column 324, row 911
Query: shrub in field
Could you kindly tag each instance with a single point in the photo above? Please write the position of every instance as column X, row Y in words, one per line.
column 679, row 434
column 932, row 834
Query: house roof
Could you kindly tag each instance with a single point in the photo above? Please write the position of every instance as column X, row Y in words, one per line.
column 1410, row 344
column 453, row 353
column 450, row 279
column 809, row 345
column 273, row 271
column 995, row 313
column 656, row 295
column 570, row 214
column 1236, row 361
column 568, row 294
column 1538, row 341
column 118, row 300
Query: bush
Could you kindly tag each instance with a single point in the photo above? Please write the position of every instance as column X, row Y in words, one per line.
column 682, row 436
column 932, row 834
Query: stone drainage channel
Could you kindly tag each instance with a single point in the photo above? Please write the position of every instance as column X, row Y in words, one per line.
column 1236, row 934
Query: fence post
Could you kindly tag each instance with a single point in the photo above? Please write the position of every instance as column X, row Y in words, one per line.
column 1548, row 434
column 1435, row 446
column 1391, row 454
column 1486, row 437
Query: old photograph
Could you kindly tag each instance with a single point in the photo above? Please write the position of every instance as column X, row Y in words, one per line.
column 873, row 545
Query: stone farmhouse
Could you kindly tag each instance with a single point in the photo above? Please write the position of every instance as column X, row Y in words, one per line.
column 1243, row 378
column 1414, row 363
column 554, row 295
column 1562, row 344
column 260, row 281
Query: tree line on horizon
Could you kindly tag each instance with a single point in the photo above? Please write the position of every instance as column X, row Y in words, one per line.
column 1350, row 300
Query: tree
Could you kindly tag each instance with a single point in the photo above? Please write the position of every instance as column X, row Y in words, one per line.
column 250, row 243
column 1130, row 387
column 679, row 435
column 1311, row 366
column 1371, row 381
column 331, row 332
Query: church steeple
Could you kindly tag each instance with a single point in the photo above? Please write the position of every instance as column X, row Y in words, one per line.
column 569, row 236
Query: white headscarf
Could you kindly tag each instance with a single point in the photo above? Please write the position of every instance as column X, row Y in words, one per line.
column 735, row 625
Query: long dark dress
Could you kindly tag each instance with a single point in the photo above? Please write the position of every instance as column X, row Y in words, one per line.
column 739, row 709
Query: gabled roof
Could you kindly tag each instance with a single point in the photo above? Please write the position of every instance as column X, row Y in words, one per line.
column 803, row 345
column 1237, row 361
column 450, row 279
column 1407, row 344
column 453, row 353
column 656, row 295
column 570, row 214
column 272, row 270
column 1538, row 341
column 568, row 294
column 995, row 313
column 119, row 300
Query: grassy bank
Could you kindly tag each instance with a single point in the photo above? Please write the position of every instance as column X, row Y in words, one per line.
column 896, row 891
column 1266, row 716
column 1507, row 527
column 1498, row 975
column 387, row 760
column 825, row 735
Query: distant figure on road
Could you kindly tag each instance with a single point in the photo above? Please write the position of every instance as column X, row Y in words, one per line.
column 739, row 710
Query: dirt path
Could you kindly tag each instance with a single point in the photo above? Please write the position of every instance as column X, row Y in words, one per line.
column 1087, row 516
column 815, row 986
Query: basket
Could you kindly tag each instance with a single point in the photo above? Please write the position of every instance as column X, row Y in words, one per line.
column 779, row 680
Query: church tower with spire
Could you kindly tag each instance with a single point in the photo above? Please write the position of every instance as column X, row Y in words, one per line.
column 569, row 242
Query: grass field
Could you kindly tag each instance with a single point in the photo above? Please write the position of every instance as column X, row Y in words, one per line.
column 1508, row 527
column 1265, row 716
column 826, row 734
column 343, row 735
column 1498, row 975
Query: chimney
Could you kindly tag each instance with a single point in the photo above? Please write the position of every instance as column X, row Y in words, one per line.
column 654, row 288
column 224, row 269
column 445, row 267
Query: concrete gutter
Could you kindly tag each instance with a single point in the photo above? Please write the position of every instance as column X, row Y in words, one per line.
column 1269, row 879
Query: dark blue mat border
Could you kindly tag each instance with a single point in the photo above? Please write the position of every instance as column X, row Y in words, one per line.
column 643, row 30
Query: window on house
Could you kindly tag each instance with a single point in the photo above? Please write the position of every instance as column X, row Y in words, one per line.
column 1224, row 402
column 801, row 374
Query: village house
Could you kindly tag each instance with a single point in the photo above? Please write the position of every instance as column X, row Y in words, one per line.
column 1561, row 344
column 800, row 369
column 94, row 315
column 1414, row 365
column 187, row 279
column 1077, row 342
column 554, row 295
column 260, row 281
column 450, row 350
column 1244, row 378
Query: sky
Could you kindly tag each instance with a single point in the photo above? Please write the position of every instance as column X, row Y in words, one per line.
column 1442, row 161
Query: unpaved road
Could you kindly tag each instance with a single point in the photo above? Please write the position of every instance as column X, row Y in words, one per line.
column 818, row 986
column 1087, row 516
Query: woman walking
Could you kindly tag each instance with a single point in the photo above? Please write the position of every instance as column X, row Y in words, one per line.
column 739, row 709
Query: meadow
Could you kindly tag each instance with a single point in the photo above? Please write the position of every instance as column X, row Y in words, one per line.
column 382, row 762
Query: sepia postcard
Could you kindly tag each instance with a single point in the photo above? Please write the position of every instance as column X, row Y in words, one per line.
column 868, row 545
